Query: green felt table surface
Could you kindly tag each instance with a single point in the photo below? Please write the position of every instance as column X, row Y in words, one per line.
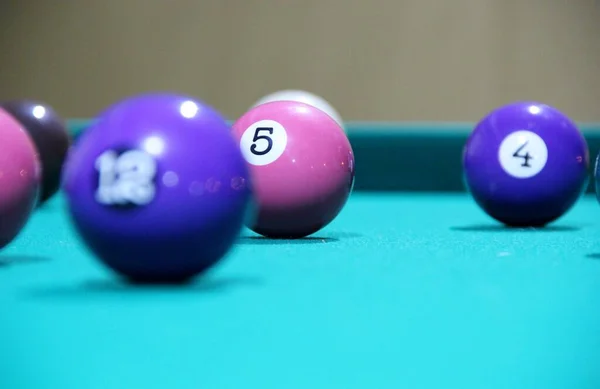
column 402, row 290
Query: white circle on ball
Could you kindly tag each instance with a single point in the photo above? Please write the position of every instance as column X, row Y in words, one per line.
column 523, row 154
column 263, row 142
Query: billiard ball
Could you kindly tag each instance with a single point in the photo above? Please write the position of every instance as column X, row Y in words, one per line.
column 526, row 164
column 303, row 97
column 157, row 188
column 20, row 177
column 596, row 174
column 301, row 165
column 50, row 136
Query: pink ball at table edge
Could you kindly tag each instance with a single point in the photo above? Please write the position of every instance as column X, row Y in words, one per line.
column 301, row 165
column 20, row 177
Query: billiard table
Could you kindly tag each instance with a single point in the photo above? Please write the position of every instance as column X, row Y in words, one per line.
column 412, row 286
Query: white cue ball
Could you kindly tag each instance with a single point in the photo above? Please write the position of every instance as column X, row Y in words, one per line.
column 303, row 97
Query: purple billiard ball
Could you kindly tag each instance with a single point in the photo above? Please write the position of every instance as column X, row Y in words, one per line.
column 157, row 187
column 526, row 164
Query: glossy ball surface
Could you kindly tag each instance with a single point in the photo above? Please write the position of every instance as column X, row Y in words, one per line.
column 50, row 136
column 157, row 187
column 303, row 97
column 525, row 164
column 20, row 177
column 301, row 164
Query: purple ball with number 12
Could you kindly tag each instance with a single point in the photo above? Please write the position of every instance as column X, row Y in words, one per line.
column 526, row 164
column 157, row 187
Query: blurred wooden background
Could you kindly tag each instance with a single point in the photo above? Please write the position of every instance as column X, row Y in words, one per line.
column 429, row 60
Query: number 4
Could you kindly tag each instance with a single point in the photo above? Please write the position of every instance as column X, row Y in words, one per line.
column 526, row 157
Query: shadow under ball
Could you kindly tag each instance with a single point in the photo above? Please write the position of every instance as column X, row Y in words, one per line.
column 50, row 136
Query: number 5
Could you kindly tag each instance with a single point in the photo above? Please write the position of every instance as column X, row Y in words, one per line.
column 258, row 137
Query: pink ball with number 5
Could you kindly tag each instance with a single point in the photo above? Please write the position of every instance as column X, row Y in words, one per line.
column 301, row 164
column 20, row 177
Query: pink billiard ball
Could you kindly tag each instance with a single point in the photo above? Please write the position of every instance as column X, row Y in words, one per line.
column 20, row 177
column 301, row 165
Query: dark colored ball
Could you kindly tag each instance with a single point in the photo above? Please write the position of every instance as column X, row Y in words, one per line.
column 50, row 136
column 596, row 174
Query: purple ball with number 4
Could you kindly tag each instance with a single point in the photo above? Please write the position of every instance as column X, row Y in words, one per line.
column 526, row 164
column 157, row 188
